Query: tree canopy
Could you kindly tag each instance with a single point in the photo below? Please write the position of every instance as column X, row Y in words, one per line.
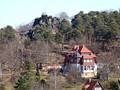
column 94, row 26
column 7, row 33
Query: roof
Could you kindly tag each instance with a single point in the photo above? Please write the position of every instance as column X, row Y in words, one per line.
column 76, row 47
column 90, row 84
column 79, row 52
column 93, row 55
column 85, row 57
column 81, row 49
column 88, row 63
column 86, row 86
column 84, row 49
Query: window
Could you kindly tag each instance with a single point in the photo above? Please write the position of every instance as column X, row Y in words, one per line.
column 85, row 54
column 98, row 88
column 88, row 60
column 81, row 67
column 91, row 60
column 88, row 67
column 85, row 68
column 71, row 60
column 85, row 74
column 92, row 67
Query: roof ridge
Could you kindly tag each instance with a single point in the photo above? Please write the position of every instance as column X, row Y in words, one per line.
column 85, row 49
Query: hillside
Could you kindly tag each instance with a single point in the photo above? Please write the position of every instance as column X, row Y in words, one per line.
column 44, row 42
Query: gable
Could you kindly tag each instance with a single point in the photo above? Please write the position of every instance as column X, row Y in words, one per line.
column 92, row 85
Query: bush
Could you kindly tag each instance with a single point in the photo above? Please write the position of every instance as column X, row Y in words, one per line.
column 2, row 87
column 114, row 85
column 27, row 42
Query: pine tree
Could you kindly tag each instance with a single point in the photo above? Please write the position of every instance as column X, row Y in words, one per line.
column 23, row 82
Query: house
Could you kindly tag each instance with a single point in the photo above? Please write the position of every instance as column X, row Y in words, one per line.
column 92, row 85
column 82, row 59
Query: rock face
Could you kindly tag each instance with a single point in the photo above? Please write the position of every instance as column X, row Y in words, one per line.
column 53, row 22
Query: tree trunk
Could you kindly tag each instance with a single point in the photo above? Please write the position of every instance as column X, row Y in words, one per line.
column 0, row 71
column 107, row 76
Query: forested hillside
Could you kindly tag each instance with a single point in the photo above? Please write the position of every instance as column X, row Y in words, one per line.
column 44, row 41
column 85, row 28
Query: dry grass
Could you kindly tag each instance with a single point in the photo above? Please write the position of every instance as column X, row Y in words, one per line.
column 74, row 87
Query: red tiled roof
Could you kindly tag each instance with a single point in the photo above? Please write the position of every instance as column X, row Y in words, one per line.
column 93, row 55
column 86, row 86
column 81, row 49
column 84, row 49
column 91, row 84
column 88, row 63
column 76, row 47
column 87, row 57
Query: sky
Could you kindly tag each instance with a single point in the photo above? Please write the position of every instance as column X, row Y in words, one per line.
column 20, row 12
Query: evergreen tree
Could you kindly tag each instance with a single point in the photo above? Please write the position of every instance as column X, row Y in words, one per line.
column 23, row 82
column 114, row 85
column 7, row 34
column 64, row 27
column 58, row 38
column 77, row 23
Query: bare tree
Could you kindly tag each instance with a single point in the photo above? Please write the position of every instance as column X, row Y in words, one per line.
column 10, row 58
column 40, row 50
column 74, row 77
column 110, row 61
column 63, row 15
column 56, row 82
column 25, row 27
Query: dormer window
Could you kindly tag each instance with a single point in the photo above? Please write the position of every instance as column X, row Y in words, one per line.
column 86, row 54
column 88, row 60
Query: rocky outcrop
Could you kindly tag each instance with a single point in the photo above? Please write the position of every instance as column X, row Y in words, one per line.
column 53, row 22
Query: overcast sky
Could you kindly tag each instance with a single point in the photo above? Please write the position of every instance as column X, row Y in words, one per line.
column 17, row 12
